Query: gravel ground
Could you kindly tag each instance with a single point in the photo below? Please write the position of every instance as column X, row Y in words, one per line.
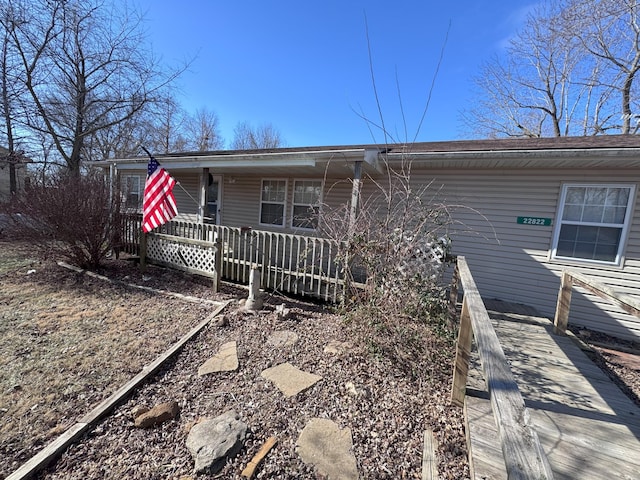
column 620, row 359
column 398, row 397
column 387, row 417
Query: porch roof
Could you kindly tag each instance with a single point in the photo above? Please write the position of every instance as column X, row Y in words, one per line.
column 292, row 161
column 606, row 151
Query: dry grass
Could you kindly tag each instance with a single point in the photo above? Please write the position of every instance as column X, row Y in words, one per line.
column 67, row 342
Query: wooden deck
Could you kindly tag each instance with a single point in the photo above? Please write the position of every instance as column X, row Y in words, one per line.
column 588, row 428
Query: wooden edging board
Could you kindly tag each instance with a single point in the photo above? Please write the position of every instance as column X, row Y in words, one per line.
column 186, row 298
column 60, row 444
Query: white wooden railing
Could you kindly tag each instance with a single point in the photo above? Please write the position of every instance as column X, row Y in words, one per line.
column 293, row 264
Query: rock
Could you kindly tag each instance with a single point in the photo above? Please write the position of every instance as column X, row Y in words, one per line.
column 158, row 414
column 220, row 321
column 282, row 312
column 289, row 379
column 334, row 347
column 138, row 410
column 327, row 447
column 282, row 338
column 212, row 441
column 226, row 360
column 351, row 389
column 254, row 302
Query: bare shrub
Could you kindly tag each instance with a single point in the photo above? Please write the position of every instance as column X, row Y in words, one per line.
column 73, row 217
column 394, row 256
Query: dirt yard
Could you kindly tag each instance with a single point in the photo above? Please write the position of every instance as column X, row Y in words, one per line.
column 67, row 341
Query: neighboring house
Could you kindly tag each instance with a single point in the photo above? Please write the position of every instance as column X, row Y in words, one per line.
column 529, row 208
column 5, row 185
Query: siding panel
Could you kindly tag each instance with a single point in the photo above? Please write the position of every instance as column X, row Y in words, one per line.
column 510, row 261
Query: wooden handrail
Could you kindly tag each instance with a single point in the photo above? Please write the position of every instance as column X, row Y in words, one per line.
column 523, row 455
column 568, row 279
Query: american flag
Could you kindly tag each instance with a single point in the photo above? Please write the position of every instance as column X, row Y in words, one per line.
column 159, row 204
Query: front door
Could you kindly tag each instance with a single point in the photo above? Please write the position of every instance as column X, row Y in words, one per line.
column 214, row 198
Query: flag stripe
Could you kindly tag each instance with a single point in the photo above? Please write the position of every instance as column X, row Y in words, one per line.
column 159, row 203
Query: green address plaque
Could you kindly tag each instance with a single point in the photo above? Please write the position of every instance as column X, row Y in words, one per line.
column 545, row 222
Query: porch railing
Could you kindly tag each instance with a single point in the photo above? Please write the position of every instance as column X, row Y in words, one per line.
column 293, row 264
column 569, row 279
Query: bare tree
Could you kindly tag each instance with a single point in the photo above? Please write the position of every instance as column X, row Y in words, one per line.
column 203, row 132
column 569, row 71
column 84, row 67
column 609, row 31
column 165, row 127
column 10, row 105
column 247, row 137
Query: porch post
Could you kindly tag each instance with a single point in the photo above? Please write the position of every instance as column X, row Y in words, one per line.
column 355, row 194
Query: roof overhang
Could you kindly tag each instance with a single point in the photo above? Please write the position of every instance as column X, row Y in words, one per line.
column 532, row 159
column 616, row 152
column 316, row 163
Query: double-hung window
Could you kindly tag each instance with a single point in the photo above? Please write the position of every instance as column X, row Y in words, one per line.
column 272, row 202
column 132, row 196
column 307, row 195
column 593, row 222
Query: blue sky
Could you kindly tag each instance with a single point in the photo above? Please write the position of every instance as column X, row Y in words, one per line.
column 304, row 66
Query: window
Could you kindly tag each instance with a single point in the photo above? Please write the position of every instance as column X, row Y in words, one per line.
column 273, row 197
column 593, row 222
column 132, row 197
column 307, row 195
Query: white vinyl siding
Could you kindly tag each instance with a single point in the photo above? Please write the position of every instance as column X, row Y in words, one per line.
column 186, row 193
column 307, row 197
column 592, row 222
column 513, row 262
column 273, row 199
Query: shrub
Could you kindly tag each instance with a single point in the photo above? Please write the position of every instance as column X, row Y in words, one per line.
column 73, row 217
column 394, row 257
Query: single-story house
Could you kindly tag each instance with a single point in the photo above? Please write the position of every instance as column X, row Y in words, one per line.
column 5, row 182
column 531, row 207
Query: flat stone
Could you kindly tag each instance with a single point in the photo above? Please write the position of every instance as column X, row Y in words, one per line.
column 329, row 449
column 282, row 338
column 289, row 379
column 212, row 441
column 226, row 360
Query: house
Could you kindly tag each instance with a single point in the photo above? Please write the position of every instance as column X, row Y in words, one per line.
column 526, row 208
column 5, row 181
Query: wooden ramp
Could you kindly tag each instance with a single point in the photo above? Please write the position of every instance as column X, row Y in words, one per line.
column 588, row 428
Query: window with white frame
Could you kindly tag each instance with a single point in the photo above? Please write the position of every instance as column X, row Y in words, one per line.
column 307, row 195
column 593, row 221
column 272, row 202
column 132, row 196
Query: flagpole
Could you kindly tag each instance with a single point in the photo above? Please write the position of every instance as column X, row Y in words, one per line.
column 185, row 191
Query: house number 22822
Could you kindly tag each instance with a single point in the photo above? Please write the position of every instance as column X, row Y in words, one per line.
column 534, row 221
